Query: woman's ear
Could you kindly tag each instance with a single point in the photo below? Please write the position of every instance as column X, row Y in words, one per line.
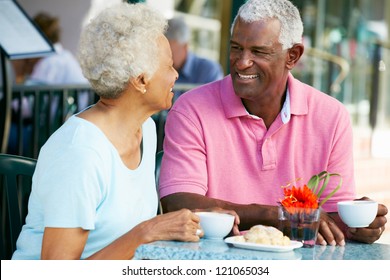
column 293, row 55
column 139, row 83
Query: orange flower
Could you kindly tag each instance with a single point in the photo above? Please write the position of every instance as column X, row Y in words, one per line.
column 309, row 195
column 300, row 198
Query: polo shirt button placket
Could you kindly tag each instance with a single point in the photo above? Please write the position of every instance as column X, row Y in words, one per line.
column 268, row 153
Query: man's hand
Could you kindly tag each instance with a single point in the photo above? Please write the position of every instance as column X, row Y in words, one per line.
column 374, row 231
column 333, row 231
column 329, row 232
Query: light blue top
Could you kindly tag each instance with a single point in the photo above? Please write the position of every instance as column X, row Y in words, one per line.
column 80, row 181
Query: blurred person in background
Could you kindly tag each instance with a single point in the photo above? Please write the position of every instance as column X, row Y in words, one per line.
column 58, row 68
column 192, row 68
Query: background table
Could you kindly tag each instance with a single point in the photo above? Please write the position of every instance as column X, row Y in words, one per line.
column 219, row 250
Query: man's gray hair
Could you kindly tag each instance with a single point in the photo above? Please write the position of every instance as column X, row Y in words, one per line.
column 119, row 44
column 291, row 29
column 178, row 30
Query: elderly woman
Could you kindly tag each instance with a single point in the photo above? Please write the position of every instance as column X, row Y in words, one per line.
column 93, row 193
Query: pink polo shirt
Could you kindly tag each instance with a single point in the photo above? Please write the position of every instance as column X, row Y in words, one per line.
column 213, row 147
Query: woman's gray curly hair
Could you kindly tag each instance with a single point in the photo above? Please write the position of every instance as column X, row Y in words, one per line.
column 120, row 44
column 291, row 29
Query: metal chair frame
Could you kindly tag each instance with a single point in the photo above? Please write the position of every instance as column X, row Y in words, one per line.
column 14, row 194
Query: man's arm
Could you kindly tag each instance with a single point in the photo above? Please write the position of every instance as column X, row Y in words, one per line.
column 250, row 214
column 332, row 230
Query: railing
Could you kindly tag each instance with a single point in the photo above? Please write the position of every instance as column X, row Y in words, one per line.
column 335, row 85
column 35, row 112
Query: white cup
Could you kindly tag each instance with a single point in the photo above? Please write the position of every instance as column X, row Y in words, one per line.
column 215, row 225
column 357, row 213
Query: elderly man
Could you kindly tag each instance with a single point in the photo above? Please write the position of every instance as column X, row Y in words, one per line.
column 234, row 143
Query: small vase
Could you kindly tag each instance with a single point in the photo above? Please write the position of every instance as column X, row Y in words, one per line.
column 300, row 224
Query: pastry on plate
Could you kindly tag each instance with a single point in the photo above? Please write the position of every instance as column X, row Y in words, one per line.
column 266, row 235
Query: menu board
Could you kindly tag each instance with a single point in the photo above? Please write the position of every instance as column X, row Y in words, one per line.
column 19, row 37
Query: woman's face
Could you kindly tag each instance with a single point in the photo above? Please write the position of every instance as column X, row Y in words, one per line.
column 161, row 84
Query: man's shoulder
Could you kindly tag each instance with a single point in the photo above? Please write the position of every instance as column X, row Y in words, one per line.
column 200, row 97
column 206, row 91
column 311, row 93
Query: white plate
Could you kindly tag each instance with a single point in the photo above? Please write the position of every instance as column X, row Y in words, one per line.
column 262, row 247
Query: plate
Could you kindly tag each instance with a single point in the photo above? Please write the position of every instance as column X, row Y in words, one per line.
column 263, row 247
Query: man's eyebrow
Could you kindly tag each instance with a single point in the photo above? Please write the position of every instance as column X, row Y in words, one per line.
column 265, row 49
column 257, row 48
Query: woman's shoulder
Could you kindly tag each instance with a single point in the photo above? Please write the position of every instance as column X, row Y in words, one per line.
column 78, row 136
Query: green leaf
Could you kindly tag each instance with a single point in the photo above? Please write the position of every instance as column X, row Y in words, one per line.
column 325, row 177
column 333, row 192
column 313, row 183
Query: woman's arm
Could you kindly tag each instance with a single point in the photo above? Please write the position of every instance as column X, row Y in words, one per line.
column 69, row 243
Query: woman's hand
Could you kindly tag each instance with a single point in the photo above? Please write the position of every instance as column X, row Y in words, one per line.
column 181, row 225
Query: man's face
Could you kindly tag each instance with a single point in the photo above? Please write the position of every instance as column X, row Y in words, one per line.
column 257, row 61
column 179, row 53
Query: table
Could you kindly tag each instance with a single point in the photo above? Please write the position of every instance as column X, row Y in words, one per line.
column 219, row 250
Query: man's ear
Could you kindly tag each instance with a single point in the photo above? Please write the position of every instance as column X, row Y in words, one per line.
column 293, row 55
column 139, row 83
